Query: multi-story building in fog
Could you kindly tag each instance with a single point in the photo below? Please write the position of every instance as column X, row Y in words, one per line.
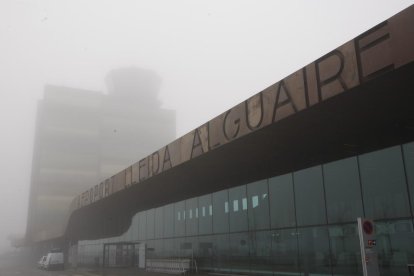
column 82, row 137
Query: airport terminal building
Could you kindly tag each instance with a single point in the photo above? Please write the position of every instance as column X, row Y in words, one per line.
column 274, row 186
column 302, row 221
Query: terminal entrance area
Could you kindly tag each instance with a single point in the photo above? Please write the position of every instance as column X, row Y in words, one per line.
column 123, row 254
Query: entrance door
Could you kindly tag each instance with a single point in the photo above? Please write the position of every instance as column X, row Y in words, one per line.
column 141, row 255
column 120, row 254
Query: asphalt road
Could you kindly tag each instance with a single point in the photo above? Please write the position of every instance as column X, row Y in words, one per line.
column 14, row 264
column 17, row 264
column 26, row 271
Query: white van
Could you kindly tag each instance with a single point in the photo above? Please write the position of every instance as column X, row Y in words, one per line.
column 54, row 260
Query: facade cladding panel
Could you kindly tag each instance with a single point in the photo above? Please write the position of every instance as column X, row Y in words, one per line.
column 253, row 228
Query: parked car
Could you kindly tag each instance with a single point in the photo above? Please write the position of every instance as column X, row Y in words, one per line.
column 54, row 260
column 41, row 262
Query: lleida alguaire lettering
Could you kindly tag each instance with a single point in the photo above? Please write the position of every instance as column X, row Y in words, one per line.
column 383, row 48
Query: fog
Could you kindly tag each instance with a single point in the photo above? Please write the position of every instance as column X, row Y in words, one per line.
column 209, row 56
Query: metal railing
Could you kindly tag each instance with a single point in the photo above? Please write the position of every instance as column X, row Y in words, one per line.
column 171, row 266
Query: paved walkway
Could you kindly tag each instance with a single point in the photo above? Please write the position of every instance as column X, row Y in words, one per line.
column 15, row 265
column 122, row 272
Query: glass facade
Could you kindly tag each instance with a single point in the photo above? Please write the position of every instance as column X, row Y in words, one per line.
column 309, row 196
column 383, row 184
column 301, row 223
column 343, row 192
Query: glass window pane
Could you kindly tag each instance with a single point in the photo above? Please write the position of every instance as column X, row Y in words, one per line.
column 239, row 253
column 346, row 254
column 189, row 247
column 257, row 192
column 260, row 243
column 150, row 223
column 191, row 221
column 205, row 257
column 213, row 253
column 168, row 220
column 383, row 184
column 177, row 246
column 285, row 252
column 150, row 250
column 282, row 208
column 158, row 249
column 343, row 191
column 135, row 227
column 235, row 205
column 314, row 254
column 159, row 222
column 309, row 196
column 168, row 246
column 221, row 253
column 220, row 215
column 238, row 216
column 244, row 203
column 395, row 248
column 179, row 224
column 255, row 201
column 142, row 226
column 205, row 221
column 409, row 169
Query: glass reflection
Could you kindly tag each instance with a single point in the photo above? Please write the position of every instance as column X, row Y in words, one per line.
column 314, row 252
column 346, row 254
column 395, row 249
column 383, row 184
column 285, row 252
column 239, row 259
column 309, row 196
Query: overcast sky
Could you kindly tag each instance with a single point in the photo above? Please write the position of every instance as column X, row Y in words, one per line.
column 210, row 55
